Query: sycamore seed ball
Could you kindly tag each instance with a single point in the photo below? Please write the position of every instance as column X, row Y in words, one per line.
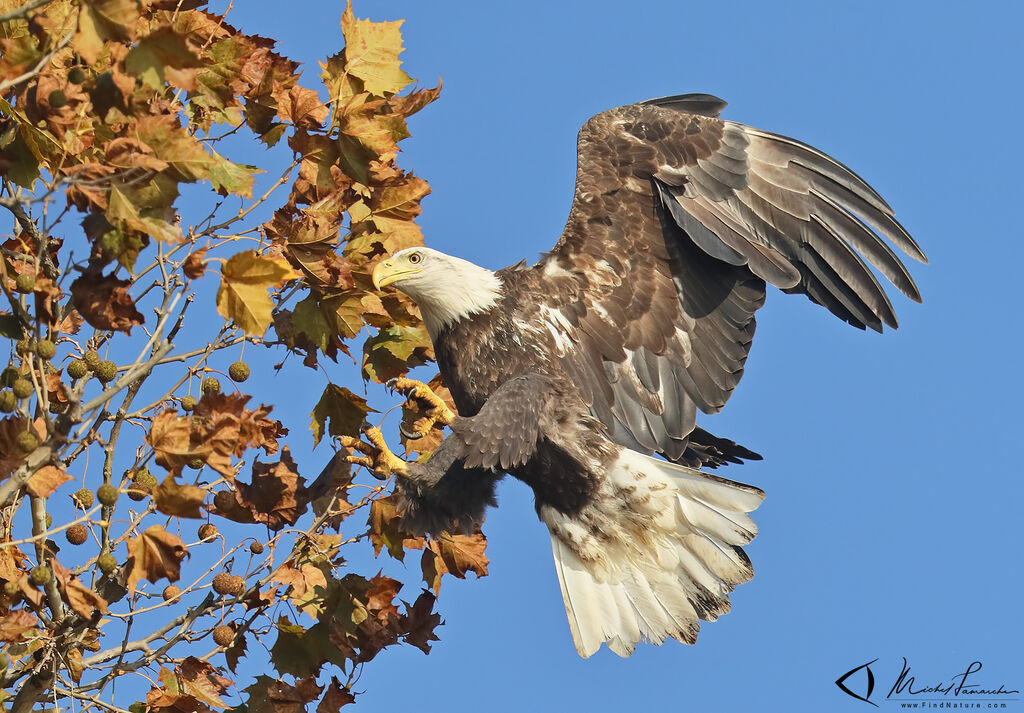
column 106, row 371
column 23, row 346
column 27, row 442
column 11, row 589
column 77, row 369
column 48, row 520
column 22, row 388
column 77, row 534
column 237, row 585
column 8, row 401
column 91, row 358
column 188, row 403
column 142, row 485
column 46, row 349
column 223, row 584
column 84, row 498
column 223, row 635
column 207, row 532
column 224, row 501
column 25, row 283
column 57, row 99
column 256, row 548
column 238, row 371
column 8, row 375
column 76, row 75
column 107, row 494
column 106, row 562
column 40, row 575
column 171, row 592
column 211, row 385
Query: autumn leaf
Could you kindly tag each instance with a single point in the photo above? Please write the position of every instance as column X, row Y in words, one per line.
column 456, row 555
column 236, row 652
column 75, row 665
column 104, row 302
column 154, row 54
column 171, row 438
column 180, row 500
column 371, row 53
column 195, row 264
column 307, row 583
column 243, row 297
column 200, row 680
column 339, row 411
column 15, row 624
column 386, row 531
column 393, row 351
column 276, row 496
column 228, row 177
column 155, row 554
column 335, row 697
column 80, row 597
column 419, row 622
column 103, row 20
column 46, row 480
column 301, row 107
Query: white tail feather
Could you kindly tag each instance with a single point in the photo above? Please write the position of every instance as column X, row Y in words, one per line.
column 655, row 551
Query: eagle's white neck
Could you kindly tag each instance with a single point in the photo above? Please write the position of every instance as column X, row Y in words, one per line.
column 447, row 296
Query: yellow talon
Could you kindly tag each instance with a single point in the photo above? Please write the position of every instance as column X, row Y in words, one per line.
column 375, row 455
column 387, row 462
column 439, row 413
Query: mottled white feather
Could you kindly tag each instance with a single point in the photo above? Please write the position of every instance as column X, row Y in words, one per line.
column 653, row 551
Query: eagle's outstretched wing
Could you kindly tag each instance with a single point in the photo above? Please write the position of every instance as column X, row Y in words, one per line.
column 678, row 220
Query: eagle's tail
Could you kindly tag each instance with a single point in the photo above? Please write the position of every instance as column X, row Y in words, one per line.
column 665, row 553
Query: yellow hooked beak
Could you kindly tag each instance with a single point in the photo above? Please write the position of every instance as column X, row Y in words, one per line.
column 387, row 272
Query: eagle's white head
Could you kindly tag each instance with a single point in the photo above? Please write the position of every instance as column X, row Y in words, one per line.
column 445, row 288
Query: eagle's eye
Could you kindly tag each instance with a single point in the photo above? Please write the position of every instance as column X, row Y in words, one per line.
column 415, row 258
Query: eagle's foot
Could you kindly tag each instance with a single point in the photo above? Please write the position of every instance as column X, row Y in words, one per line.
column 437, row 412
column 375, row 456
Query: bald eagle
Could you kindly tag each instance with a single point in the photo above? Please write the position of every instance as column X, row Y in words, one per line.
column 576, row 373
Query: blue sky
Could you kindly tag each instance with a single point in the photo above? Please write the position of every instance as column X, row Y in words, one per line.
column 891, row 466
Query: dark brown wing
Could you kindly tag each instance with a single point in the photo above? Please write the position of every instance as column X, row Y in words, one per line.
column 678, row 220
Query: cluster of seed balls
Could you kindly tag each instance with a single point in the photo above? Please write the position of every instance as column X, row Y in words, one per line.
column 142, row 484
column 143, row 481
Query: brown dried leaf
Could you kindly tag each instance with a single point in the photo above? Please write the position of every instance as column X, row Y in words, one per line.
column 80, row 597
column 179, row 500
column 14, row 625
column 200, row 680
column 419, row 622
column 336, row 696
column 195, row 265
column 46, row 480
column 156, row 554
column 104, row 302
column 171, row 437
column 301, row 106
column 277, row 496
column 456, row 555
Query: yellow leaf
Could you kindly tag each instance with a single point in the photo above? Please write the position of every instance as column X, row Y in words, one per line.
column 243, row 296
column 371, row 53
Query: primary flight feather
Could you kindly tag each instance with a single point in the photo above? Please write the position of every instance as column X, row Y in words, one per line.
column 576, row 373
